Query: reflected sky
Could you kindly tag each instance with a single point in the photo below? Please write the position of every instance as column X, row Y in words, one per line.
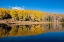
column 35, row 32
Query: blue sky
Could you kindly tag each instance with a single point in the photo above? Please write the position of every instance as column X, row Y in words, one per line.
column 51, row 6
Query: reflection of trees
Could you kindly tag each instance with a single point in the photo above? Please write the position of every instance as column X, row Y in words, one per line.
column 25, row 30
column 13, row 31
column 2, row 32
column 50, row 27
column 22, row 30
column 62, row 25
column 30, row 31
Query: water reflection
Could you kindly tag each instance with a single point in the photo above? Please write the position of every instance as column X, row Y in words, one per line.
column 27, row 30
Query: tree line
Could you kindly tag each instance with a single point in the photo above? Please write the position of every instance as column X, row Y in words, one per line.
column 28, row 15
column 21, row 15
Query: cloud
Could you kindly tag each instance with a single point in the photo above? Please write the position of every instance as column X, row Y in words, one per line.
column 19, row 8
column 16, row 7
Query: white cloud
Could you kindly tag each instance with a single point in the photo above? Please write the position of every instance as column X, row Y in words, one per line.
column 19, row 8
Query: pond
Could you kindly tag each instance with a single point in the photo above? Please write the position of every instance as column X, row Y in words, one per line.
column 49, row 32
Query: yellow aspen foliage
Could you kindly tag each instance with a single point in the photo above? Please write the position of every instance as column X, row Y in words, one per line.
column 1, row 14
column 22, row 15
column 13, row 14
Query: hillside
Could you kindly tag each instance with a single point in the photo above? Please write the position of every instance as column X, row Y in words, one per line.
column 29, row 15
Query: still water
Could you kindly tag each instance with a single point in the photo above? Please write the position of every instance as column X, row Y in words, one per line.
column 50, row 32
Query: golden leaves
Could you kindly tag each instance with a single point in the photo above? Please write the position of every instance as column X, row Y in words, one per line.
column 25, row 15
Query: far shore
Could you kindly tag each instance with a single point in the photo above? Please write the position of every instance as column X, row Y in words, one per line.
column 24, row 22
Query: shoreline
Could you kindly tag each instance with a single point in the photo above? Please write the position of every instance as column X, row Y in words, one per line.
column 24, row 22
column 14, row 23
